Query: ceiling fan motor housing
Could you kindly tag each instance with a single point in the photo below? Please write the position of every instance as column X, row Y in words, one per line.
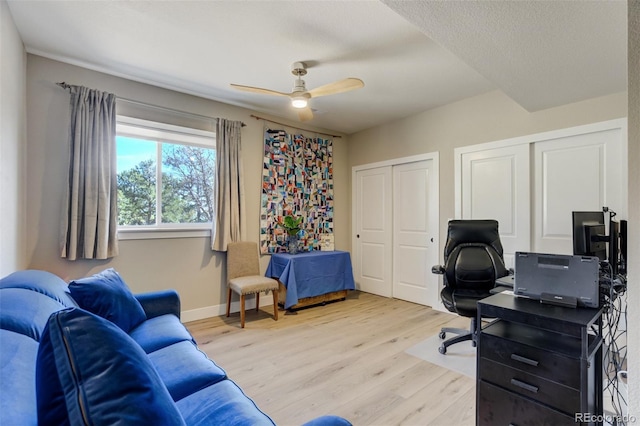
column 299, row 86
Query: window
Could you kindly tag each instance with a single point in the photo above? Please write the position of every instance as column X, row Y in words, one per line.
column 165, row 179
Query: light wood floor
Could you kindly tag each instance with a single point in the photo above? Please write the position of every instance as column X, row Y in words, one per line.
column 345, row 358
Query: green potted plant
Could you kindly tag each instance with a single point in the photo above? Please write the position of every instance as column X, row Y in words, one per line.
column 292, row 227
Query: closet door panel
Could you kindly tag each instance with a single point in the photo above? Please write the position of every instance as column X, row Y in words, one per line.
column 495, row 185
column 573, row 173
column 372, row 254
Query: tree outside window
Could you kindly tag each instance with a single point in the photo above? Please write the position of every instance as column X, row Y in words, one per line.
column 163, row 183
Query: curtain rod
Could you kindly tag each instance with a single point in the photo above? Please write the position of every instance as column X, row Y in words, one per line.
column 132, row 101
column 294, row 127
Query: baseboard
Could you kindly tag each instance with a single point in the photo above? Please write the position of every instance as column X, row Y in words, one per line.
column 440, row 307
column 218, row 310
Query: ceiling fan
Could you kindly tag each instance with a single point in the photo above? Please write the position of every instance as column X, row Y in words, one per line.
column 300, row 95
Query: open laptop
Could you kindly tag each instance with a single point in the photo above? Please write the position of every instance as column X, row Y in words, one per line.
column 558, row 279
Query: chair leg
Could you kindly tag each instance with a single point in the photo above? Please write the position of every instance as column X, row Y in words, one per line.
column 275, row 304
column 242, row 299
column 463, row 335
column 228, row 301
column 257, row 301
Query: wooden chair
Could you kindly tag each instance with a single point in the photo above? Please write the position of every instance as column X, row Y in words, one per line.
column 243, row 277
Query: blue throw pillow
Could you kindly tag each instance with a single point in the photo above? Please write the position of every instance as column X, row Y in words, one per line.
column 107, row 295
column 88, row 371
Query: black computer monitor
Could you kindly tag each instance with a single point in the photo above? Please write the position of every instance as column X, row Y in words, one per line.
column 614, row 248
column 618, row 246
column 589, row 234
column 590, row 239
column 623, row 247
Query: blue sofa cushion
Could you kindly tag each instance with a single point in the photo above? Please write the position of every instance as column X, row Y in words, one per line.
column 107, row 295
column 25, row 311
column 42, row 282
column 328, row 420
column 223, row 403
column 88, row 371
column 18, row 378
column 170, row 363
column 159, row 332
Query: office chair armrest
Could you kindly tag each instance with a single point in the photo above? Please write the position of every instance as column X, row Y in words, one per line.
column 437, row 269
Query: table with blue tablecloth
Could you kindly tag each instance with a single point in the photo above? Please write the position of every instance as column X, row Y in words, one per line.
column 311, row 277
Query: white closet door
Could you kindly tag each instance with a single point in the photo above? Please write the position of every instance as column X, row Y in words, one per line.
column 575, row 173
column 495, row 185
column 415, row 225
column 373, row 227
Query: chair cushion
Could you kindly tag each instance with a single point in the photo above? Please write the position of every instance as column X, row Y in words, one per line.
column 252, row 284
column 160, row 332
column 88, row 371
column 107, row 295
column 464, row 302
column 471, row 266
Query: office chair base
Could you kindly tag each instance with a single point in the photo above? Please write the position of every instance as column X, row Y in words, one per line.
column 463, row 335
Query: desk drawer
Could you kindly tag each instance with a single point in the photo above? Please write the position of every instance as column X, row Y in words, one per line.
column 553, row 394
column 497, row 407
column 530, row 358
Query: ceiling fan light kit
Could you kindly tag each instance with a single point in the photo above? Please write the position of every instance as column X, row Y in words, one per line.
column 300, row 96
column 299, row 101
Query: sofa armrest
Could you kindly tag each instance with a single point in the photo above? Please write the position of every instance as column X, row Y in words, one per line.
column 158, row 303
column 328, row 420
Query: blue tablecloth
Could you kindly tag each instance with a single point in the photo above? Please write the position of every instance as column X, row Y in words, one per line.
column 311, row 273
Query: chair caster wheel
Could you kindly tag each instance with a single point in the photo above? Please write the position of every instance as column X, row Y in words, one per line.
column 442, row 350
column 442, row 335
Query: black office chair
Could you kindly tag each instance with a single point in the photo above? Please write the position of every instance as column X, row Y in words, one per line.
column 472, row 263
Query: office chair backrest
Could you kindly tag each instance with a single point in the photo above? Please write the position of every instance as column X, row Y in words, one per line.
column 473, row 255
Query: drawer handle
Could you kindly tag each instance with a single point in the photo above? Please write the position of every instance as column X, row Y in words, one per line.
column 524, row 360
column 525, row 386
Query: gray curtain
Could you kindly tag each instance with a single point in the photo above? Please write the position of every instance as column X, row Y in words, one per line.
column 227, row 226
column 90, row 207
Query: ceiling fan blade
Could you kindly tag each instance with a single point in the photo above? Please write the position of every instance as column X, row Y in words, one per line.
column 305, row 114
column 336, row 87
column 258, row 90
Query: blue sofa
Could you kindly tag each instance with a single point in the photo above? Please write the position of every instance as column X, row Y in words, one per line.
column 90, row 352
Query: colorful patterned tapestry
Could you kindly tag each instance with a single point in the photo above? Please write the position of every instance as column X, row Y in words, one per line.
column 297, row 179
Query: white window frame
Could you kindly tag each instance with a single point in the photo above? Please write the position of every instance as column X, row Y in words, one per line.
column 155, row 131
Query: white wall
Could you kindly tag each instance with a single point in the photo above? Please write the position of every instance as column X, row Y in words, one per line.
column 187, row 264
column 485, row 118
column 634, row 207
column 13, row 65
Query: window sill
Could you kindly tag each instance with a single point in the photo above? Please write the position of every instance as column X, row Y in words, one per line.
column 156, row 233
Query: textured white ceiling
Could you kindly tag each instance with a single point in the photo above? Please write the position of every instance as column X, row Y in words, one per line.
column 540, row 53
column 200, row 47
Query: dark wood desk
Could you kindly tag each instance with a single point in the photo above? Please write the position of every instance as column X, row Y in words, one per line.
column 538, row 363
